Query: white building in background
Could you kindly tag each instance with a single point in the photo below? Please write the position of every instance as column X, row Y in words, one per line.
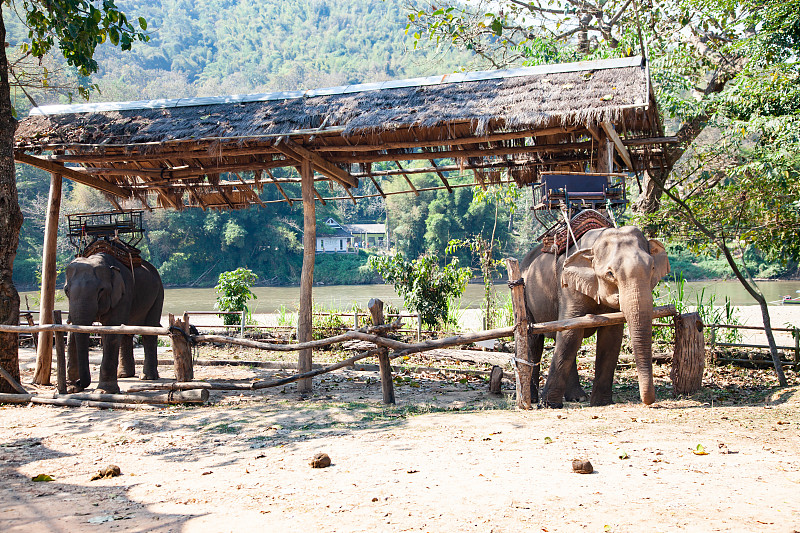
column 348, row 238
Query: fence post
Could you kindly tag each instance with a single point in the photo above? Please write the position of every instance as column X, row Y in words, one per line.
column 244, row 320
column 375, row 307
column 355, row 319
column 181, row 351
column 522, row 364
column 689, row 359
column 796, row 335
column 61, row 358
column 419, row 327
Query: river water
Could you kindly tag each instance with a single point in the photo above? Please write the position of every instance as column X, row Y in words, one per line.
column 270, row 299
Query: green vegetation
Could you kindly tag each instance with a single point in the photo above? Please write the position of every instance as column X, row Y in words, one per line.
column 425, row 288
column 233, row 292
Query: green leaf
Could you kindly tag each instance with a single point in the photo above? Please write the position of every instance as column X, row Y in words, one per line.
column 699, row 450
column 622, row 454
column 548, row 440
column 42, row 477
column 142, row 23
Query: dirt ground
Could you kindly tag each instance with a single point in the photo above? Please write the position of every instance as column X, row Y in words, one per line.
column 448, row 457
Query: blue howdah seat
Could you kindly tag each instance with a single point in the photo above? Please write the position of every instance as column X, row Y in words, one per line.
column 581, row 191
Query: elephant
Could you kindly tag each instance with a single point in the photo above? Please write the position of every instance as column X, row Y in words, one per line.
column 613, row 269
column 102, row 289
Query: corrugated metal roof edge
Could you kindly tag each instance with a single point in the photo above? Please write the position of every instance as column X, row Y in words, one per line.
column 459, row 77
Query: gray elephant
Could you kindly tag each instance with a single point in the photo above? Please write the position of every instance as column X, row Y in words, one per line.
column 613, row 269
column 102, row 289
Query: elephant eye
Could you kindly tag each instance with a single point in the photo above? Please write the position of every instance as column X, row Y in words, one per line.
column 610, row 275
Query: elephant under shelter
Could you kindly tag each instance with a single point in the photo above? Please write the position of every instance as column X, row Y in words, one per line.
column 505, row 127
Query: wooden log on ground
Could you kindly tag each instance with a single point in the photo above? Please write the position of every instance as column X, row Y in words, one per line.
column 689, row 359
column 73, row 402
column 192, row 385
column 375, row 307
column 172, row 397
column 495, row 380
column 61, row 359
column 523, row 364
column 181, row 350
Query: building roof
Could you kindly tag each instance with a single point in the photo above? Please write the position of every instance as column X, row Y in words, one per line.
column 184, row 152
column 367, row 228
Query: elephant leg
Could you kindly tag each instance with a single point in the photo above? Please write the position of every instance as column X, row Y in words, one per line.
column 536, row 347
column 73, row 372
column 609, row 341
column 567, row 345
column 108, row 367
column 150, row 370
column 574, row 392
column 127, row 365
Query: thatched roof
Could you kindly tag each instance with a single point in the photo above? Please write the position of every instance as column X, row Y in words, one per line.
column 521, row 120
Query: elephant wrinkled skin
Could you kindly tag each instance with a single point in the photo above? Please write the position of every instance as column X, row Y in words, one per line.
column 102, row 289
column 613, row 269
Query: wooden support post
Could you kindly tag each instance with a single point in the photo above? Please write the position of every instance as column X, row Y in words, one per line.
column 61, row 358
column 44, row 352
column 523, row 365
column 689, row 359
column 419, row 327
column 304, row 320
column 375, row 307
column 605, row 153
column 244, row 322
column 181, row 351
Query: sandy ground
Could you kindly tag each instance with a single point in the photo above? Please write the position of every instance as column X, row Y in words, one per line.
column 449, row 457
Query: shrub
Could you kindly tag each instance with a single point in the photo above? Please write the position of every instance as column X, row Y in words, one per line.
column 233, row 292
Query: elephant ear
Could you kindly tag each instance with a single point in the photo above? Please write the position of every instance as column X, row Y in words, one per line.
column 660, row 261
column 579, row 274
column 117, row 285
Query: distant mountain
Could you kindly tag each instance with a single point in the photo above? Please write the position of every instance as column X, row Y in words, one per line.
column 212, row 47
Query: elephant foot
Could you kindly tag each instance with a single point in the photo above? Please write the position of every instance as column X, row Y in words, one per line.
column 576, row 395
column 599, row 402
column 73, row 388
column 126, row 373
column 107, row 388
column 150, row 376
column 552, row 405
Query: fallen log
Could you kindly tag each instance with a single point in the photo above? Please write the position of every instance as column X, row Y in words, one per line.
column 101, row 330
column 72, row 402
column 11, row 381
column 172, row 398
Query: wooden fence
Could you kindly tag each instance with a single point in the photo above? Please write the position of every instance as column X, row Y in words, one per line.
column 687, row 354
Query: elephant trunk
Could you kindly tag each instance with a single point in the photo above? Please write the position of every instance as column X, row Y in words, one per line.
column 636, row 303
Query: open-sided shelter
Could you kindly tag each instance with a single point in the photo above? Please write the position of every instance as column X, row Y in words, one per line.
column 504, row 126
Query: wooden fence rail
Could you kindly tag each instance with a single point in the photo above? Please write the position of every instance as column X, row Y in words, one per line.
column 374, row 334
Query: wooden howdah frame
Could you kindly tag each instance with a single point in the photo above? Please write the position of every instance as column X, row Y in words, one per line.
column 503, row 127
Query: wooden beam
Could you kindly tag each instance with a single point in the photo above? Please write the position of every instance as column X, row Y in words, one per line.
column 74, row 175
column 44, row 352
column 278, row 185
column 405, row 175
column 441, row 176
column 193, row 171
column 452, row 154
column 297, row 152
column 444, row 142
column 650, row 140
column 250, row 192
column 304, row 318
column 621, row 149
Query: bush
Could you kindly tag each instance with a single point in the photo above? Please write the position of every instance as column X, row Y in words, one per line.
column 425, row 288
column 233, row 292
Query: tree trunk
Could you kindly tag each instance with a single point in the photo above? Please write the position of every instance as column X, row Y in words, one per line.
column 10, row 222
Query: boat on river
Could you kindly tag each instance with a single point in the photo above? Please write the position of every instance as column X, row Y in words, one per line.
column 791, row 300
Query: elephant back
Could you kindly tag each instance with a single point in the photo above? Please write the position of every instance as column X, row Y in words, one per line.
column 124, row 253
